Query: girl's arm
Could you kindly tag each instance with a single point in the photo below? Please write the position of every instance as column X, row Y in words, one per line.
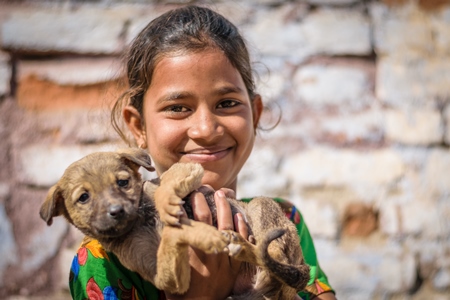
column 325, row 296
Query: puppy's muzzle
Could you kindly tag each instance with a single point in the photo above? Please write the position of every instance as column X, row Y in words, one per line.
column 116, row 211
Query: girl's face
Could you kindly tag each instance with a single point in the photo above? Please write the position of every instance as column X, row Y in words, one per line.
column 197, row 109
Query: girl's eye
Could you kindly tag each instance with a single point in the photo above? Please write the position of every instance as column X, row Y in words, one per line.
column 176, row 109
column 122, row 182
column 83, row 198
column 228, row 103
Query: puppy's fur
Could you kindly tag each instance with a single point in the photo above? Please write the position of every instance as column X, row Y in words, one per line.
column 104, row 196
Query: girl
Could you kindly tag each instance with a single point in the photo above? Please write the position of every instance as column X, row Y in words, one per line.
column 191, row 98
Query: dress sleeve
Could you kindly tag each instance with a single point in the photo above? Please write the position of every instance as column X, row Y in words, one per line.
column 97, row 274
column 318, row 282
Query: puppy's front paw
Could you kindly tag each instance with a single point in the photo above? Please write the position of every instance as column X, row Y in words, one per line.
column 169, row 207
column 210, row 240
column 234, row 238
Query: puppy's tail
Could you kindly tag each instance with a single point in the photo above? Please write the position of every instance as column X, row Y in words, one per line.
column 296, row 276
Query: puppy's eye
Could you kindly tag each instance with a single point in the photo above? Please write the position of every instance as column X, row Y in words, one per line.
column 83, row 198
column 122, row 182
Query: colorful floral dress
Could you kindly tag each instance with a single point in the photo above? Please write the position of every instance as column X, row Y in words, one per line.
column 97, row 274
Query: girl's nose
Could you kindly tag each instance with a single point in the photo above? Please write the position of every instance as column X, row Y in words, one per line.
column 205, row 126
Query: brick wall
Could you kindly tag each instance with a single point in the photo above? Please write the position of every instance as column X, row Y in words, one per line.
column 362, row 147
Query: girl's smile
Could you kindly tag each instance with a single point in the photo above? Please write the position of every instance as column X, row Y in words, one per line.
column 206, row 154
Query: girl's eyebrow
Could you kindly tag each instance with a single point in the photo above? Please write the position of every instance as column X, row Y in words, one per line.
column 229, row 89
column 171, row 96
column 174, row 96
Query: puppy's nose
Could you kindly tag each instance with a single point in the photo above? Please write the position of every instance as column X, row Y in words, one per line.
column 116, row 211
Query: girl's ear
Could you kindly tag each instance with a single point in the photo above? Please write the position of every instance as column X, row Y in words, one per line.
column 134, row 122
column 257, row 110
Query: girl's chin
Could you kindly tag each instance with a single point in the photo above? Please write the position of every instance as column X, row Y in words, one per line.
column 217, row 181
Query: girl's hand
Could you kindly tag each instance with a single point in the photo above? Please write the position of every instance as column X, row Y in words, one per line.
column 213, row 276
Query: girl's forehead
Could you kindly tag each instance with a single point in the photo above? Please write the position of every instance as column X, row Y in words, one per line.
column 199, row 54
column 196, row 73
column 191, row 62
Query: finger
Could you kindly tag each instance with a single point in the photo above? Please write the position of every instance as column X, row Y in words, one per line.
column 200, row 208
column 224, row 215
column 241, row 225
column 229, row 193
column 205, row 188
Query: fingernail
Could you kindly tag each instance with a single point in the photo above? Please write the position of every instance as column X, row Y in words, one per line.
column 220, row 193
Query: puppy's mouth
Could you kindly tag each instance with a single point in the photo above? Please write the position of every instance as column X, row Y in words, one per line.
column 113, row 228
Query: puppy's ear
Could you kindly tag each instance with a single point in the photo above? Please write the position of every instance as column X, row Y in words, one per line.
column 53, row 205
column 137, row 156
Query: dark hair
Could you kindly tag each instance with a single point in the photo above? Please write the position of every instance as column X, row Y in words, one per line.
column 182, row 30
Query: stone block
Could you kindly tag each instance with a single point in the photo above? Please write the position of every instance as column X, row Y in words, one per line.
column 405, row 31
column 440, row 22
column 253, row 178
column 140, row 20
column 67, row 256
column 389, row 219
column 341, row 86
column 410, row 31
column 276, row 33
column 271, row 86
column 446, row 116
column 347, row 128
column 436, row 178
column 239, row 12
column 441, row 280
column 431, row 225
column 332, row 167
column 412, row 83
column 44, row 245
column 414, row 127
column 5, row 74
column 344, row 129
column 8, row 248
column 337, row 32
column 331, row 2
column 360, row 280
column 77, row 126
column 43, row 165
column 321, row 218
column 87, row 29
column 75, row 72
column 397, row 272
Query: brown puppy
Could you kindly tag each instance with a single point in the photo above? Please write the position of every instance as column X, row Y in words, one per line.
column 104, row 196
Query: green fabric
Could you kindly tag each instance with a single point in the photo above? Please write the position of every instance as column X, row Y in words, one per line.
column 97, row 274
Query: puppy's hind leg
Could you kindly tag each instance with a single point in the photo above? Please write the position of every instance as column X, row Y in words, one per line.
column 173, row 269
column 173, row 272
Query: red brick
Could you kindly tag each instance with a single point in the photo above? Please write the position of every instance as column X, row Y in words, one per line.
column 39, row 94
